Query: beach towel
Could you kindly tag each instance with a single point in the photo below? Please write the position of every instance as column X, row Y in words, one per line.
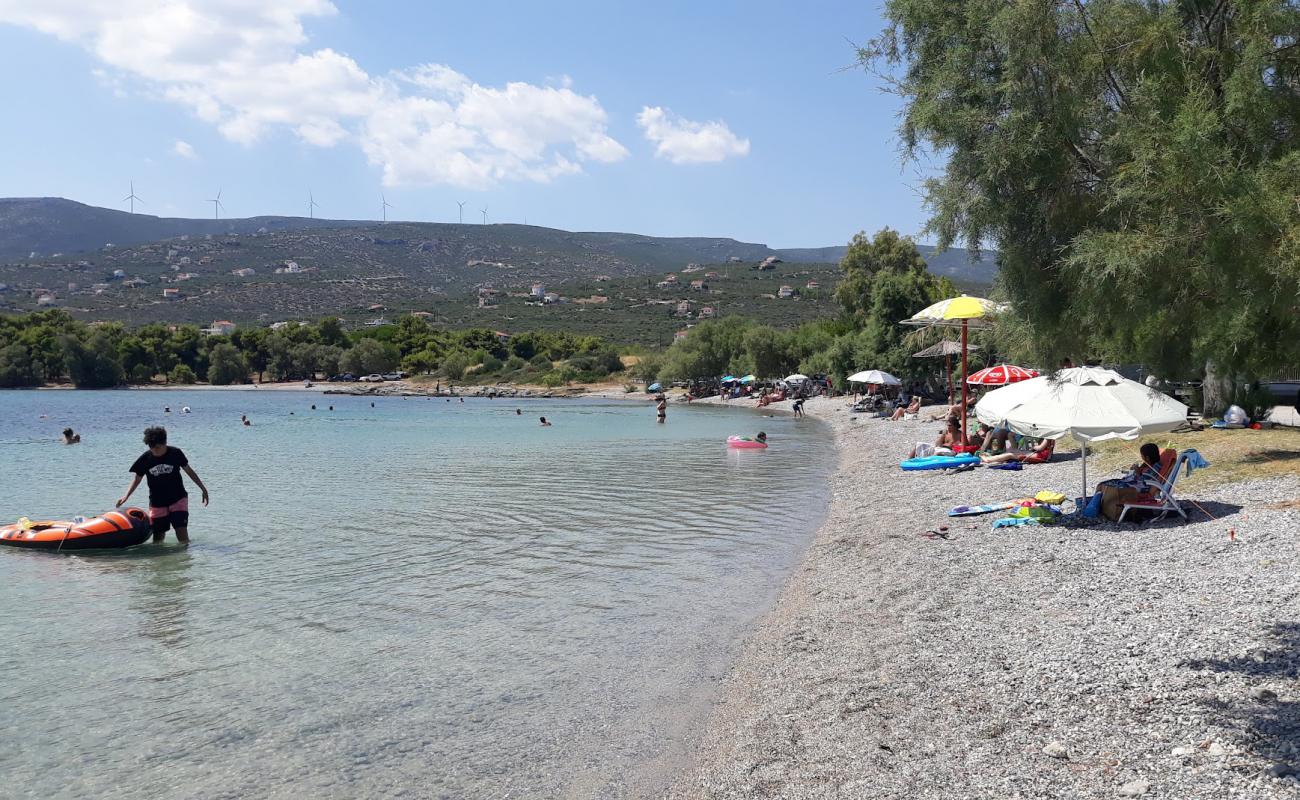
column 1016, row 522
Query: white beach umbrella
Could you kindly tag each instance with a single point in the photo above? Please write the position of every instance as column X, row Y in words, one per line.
column 875, row 376
column 795, row 378
column 1089, row 403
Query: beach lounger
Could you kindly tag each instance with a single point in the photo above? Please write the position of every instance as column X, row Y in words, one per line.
column 1162, row 500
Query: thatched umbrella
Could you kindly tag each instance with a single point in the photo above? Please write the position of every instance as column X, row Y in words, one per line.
column 945, row 349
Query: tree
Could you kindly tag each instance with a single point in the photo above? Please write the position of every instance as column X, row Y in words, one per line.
column 368, row 356
column 1134, row 161
column 93, row 364
column 330, row 330
column 711, row 349
column 886, row 251
column 16, row 367
column 768, row 352
column 226, row 365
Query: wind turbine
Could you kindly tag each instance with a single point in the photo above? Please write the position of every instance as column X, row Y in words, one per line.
column 216, row 205
column 133, row 198
column 461, row 218
column 312, row 205
column 386, row 205
column 483, row 211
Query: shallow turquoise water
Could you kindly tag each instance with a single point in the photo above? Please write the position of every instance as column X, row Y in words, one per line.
column 418, row 599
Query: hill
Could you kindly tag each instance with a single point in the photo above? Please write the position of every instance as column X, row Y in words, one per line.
column 135, row 268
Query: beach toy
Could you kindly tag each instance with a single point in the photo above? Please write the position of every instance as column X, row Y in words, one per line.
column 745, row 443
column 1050, row 498
column 971, row 511
column 124, row 528
column 939, row 462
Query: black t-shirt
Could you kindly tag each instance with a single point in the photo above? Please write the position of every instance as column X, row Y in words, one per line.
column 164, row 476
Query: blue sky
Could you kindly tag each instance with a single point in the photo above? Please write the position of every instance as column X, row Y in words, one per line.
column 728, row 119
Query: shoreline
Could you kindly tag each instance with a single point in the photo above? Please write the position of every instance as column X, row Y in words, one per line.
column 1161, row 658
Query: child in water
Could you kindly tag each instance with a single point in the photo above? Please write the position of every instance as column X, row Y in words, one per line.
column 71, row 438
column 762, row 437
column 168, row 501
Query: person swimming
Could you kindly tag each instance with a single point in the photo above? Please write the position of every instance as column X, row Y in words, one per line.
column 185, row 409
column 519, row 412
column 762, row 437
column 545, row 424
column 167, row 409
column 70, row 437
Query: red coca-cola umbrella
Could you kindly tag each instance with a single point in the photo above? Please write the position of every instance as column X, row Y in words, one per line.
column 1001, row 375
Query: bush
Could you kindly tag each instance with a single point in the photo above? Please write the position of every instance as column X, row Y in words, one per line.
column 455, row 365
column 515, row 363
column 492, row 364
column 182, row 374
column 540, row 360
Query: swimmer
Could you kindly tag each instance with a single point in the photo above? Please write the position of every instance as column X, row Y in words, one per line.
column 762, row 437
column 372, row 405
column 71, row 438
column 167, row 409
column 331, row 408
column 185, row 409
column 462, row 399
column 313, row 406
column 519, row 412
column 545, row 424
column 661, row 408
column 244, row 419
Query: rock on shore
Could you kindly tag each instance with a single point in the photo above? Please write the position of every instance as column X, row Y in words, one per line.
column 1137, row 661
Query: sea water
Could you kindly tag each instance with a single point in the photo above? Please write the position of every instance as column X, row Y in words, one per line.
column 421, row 598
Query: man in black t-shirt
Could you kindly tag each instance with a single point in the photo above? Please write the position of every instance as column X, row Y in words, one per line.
column 161, row 466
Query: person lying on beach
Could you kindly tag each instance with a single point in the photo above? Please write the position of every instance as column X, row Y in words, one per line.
column 910, row 410
column 947, row 443
column 1039, row 454
column 69, row 437
column 941, row 412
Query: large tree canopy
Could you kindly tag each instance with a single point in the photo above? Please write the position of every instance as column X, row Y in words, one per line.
column 1135, row 162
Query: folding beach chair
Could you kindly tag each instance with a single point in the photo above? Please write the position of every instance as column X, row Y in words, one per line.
column 1162, row 500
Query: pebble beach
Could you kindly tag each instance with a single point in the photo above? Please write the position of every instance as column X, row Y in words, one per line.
column 903, row 660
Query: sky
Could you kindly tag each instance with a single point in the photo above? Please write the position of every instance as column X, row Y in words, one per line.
column 740, row 119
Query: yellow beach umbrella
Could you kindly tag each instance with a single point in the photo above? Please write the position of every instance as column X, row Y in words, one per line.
column 962, row 311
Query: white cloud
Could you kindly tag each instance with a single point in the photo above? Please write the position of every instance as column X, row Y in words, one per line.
column 242, row 66
column 683, row 141
column 184, row 149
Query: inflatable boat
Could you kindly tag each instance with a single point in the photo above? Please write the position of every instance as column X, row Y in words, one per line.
column 125, row 528
column 745, row 443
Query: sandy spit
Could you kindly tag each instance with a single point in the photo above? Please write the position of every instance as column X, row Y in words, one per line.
column 1160, row 660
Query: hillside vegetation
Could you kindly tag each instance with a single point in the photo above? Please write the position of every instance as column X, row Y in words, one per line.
column 264, row 270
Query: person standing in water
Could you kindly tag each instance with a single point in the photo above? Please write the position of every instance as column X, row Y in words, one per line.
column 661, row 408
column 168, row 501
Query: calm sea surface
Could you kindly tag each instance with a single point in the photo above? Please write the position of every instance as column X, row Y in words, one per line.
column 417, row 599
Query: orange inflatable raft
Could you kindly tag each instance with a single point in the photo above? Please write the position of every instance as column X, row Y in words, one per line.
column 125, row 528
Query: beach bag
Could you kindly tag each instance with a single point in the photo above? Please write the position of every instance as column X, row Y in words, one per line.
column 1093, row 509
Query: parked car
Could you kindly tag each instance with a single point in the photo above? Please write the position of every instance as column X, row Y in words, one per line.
column 346, row 377
column 393, row 376
column 374, row 378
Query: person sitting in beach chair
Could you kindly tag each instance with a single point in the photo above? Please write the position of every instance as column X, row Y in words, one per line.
column 1161, row 500
column 1154, row 465
column 909, row 412
column 1038, row 454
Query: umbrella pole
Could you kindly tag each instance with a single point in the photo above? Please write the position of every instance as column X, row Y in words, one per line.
column 1085, row 471
column 947, row 375
column 963, row 381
